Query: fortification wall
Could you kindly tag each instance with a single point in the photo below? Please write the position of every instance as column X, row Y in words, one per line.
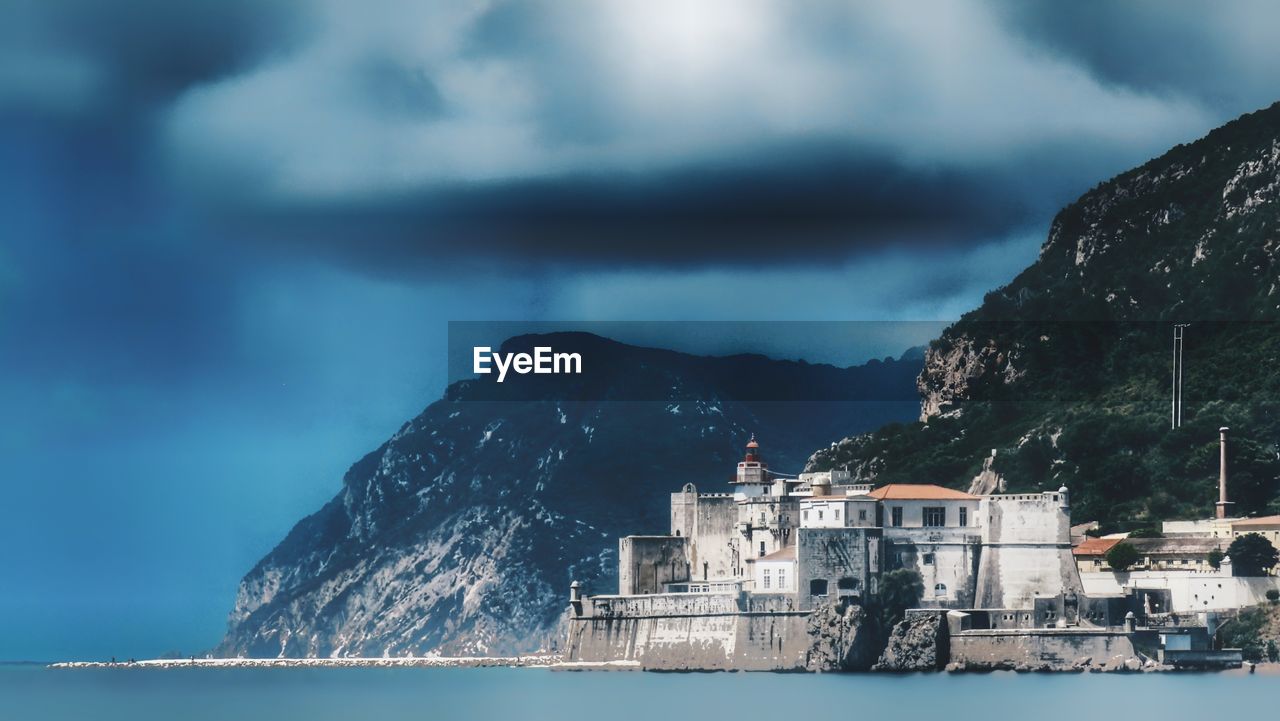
column 692, row 632
column 714, row 543
column 946, row 559
column 1190, row 591
column 645, row 563
column 1026, row 550
column 1038, row 648
column 844, row 562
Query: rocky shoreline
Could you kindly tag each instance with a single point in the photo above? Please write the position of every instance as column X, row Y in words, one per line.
column 1118, row 664
column 532, row 661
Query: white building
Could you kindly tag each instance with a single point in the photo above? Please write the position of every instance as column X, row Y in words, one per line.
column 837, row 512
column 776, row 572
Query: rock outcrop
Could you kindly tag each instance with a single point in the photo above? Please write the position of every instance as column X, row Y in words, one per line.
column 842, row 638
column 917, row 643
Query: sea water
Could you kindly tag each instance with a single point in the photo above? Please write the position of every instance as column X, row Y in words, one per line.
column 280, row 694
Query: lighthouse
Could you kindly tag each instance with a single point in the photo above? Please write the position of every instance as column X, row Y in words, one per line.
column 751, row 469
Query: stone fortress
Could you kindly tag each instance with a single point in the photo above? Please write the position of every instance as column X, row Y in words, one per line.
column 778, row 573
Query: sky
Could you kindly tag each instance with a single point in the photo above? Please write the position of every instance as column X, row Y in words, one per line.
column 234, row 233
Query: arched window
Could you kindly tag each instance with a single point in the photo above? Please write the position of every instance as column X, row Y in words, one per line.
column 847, row 584
column 939, row 589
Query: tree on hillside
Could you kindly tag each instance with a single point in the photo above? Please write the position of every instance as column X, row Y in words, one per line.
column 1122, row 556
column 1252, row 555
column 1245, row 633
column 1215, row 558
column 900, row 589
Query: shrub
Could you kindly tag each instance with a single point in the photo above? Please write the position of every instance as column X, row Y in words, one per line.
column 1122, row 556
column 1215, row 558
column 1252, row 555
column 1245, row 633
column 1273, row 595
column 900, row 589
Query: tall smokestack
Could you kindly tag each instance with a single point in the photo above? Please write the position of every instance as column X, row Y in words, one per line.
column 1222, row 473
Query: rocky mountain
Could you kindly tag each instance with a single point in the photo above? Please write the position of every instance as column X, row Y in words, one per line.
column 1065, row 373
column 461, row 533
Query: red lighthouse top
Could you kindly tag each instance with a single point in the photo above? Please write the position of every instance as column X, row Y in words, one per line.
column 753, row 452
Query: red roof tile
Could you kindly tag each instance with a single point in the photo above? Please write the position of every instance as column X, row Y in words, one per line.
column 919, row 492
column 1095, row 546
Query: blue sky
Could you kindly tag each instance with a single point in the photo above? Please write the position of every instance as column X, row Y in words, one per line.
column 235, row 232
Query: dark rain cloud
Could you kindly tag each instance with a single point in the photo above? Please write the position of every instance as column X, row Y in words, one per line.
column 806, row 205
column 122, row 57
column 433, row 136
column 1219, row 54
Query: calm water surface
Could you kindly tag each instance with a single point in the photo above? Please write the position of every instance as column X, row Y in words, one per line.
column 34, row 692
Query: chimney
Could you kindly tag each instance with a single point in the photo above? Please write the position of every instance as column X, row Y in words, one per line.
column 1222, row 473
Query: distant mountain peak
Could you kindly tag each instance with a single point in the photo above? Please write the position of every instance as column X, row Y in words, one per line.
column 461, row 533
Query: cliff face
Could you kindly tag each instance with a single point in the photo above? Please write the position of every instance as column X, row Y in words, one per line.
column 1189, row 236
column 1066, row 371
column 461, row 533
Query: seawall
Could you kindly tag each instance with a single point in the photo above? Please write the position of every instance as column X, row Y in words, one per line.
column 1047, row 649
column 692, row 632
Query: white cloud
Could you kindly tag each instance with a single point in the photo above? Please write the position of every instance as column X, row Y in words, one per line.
column 662, row 83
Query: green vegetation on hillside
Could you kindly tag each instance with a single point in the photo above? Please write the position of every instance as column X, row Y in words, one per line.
column 1066, row 372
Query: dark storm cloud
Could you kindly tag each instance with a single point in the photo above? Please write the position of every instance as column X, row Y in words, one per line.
column 807, row 205
column 130, row 54
column 1220, row 53
column 424, row 135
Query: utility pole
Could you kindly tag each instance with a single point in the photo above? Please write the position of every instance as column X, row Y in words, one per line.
column 1175, row 411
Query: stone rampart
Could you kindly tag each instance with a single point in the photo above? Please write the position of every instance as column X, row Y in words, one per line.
column 691, row 631
column 1039, row 649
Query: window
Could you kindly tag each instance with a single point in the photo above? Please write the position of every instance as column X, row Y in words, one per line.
column 964, row 516
column 847, row 584
column 782, row 579
column 939, row 590
column 819, row 515
column 766, row 578
column 862, row 514
column 895, row 515
column 935, row 516
column 762, row 548
column 818, row 587
column 837, row 514
column 805, row 515
column 927, row 559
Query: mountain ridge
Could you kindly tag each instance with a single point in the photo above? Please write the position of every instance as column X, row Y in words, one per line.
column 1065, row 372
column 461, row 533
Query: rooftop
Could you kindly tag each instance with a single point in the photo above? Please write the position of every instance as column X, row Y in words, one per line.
column 1260, row 521
column 1095, row 546
column 1150, row 546
column 919, row 492
column 836, row 497
column 785, row 554
column 1175, row 544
